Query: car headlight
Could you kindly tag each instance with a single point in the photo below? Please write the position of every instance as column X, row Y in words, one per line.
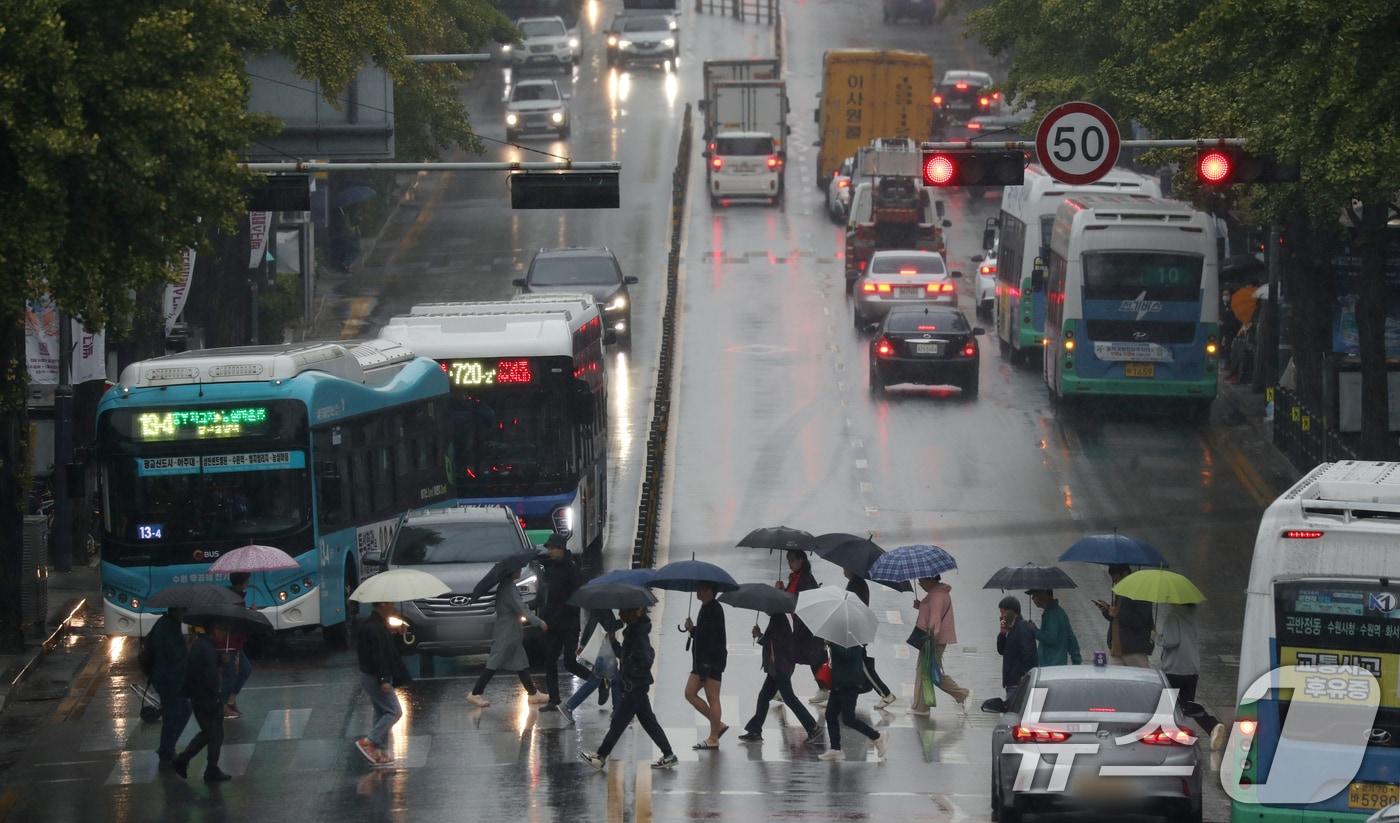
column 506, row 48
column 671, row 24
column 396, row 622
column 670, row 42
column 528, row 585
column 612, row 40
column 511, row 119
column 573, row 42
column 618, row 303
column 624, row 44
column 557, row 117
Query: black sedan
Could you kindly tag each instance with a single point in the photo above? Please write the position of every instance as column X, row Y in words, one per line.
column 925, row 344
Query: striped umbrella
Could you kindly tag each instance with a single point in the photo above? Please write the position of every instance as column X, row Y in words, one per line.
column 912, row 563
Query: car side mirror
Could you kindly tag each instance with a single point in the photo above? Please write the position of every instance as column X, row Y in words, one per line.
column 940, row 210
column 994, row 705
column 518, row 282
column 706, row 154
column 816, row 115
column 947, row 224
column 978, row 331
column 957, row 275
column 372, row 558
column 631, row 280
column 977, row 258
column 989, row 238
column 704, row 104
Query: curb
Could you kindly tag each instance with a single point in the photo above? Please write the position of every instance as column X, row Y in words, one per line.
column 71, row 609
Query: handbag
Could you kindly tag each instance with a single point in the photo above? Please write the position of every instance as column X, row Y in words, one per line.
column 824, row 676
column 916, row 638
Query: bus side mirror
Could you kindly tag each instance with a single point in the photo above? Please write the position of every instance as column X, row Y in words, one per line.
column 940, row 209
column 581, row 406
column 989, row 238
column 947, row 224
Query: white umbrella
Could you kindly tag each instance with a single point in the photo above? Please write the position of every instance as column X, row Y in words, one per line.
column 398, row 585
column 837, row 615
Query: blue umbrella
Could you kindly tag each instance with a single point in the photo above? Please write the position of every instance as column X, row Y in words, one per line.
column 911, row 563
column 689, row 575
column 631, row 577
column 1114, row 550
column 350, row 195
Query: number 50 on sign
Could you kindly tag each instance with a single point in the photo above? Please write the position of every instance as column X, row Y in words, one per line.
column 1077, row 143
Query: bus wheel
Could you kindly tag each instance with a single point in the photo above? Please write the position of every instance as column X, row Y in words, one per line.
column 342, row 635
column 1199, row 411
column 1004, row 348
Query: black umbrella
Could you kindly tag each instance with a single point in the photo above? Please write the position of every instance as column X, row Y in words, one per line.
column 1030, row 576
column 194, row 596
column 236, row 617
column 612, row 596
column 761, row 597
column 856, row 555
column 503, row 570
column 777, row 538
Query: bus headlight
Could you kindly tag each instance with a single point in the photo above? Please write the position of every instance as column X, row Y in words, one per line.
column 612, row 40
column 1211, row 347
column 564, row 520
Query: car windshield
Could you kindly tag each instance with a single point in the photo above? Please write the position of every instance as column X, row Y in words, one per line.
column 1141, row 275
column 422, row 544
column 542, row 28
column 932, row 320
column 647, row 24
column 913, row 264
column 573, row 270
column 743, row 146
column 534, row 91
column 1100, row 695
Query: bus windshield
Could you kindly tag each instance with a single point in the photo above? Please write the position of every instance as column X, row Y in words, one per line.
column 1142, row 275
column 1339, row 623
column 514, row 441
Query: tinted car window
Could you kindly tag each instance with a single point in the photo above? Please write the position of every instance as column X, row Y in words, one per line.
column 573, row 271
column 891, row 264
column 743, row 146
column 534, row 92
column 1124, row 696
column 934, row 321
column 543, row 28
column 425, row 544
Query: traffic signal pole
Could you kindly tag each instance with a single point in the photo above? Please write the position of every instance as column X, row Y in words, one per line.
column 1029, row 145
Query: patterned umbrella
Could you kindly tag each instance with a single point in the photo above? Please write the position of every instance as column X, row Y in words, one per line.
column 254, row 558
column 912, row 563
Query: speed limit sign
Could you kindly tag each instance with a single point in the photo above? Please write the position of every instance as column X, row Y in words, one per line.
column 1077, row 143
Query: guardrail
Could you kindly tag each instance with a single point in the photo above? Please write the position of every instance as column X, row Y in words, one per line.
column 649, row 507
column 1303, row 437
column 758, row 11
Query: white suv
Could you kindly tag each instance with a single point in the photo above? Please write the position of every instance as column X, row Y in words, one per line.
column 744, row 164
column 545, row 41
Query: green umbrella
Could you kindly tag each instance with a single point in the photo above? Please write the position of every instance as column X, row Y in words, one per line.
column 1158, row 586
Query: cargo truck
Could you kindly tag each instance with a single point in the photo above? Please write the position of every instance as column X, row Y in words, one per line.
column 867, row 95
column 746, row 153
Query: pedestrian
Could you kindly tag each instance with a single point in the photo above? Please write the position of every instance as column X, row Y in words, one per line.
column 604, row 663
column 508, row 643
column 857, row 585
column 381, row 669
column 1129, row 625
column 1016, row 645
column 559, row 580
column 709, row 651
column 205, row 693
column 236, row 667
column 777, row 644
column 634, row 678
column 1181, row 663
column 1055, row 636
column 808, row 650
column 847, row 679
column 163, row 656
column 936, row 618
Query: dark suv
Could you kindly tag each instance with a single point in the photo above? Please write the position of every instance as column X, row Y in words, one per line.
column 593, row 271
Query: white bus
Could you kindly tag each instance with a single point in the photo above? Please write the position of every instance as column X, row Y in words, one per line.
column 1027, row 214
column 1133, row 301
column 529, row 402
column 1324, row 589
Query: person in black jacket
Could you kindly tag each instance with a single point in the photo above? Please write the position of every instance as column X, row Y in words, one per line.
column 847, row 678
column 560, row 580
column 163, row 656
column 205, row 692
column 1016, row 645
column 1130, row 625
column 857, row 585
column 634, row 679
column 709, row 651
column 776, row 641
column 381, row 669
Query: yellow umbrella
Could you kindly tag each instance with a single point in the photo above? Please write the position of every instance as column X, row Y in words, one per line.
column 1158, row 586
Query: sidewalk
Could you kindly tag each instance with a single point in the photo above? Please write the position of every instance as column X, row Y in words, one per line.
column 1240, row 426
column 73, row 597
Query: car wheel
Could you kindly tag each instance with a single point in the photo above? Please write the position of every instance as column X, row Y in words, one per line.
column 850, row 286
column 714, row 201
column 995, row 797
column 971, row 385
column 877, row 382
column 1004, row 348
column 859, row 322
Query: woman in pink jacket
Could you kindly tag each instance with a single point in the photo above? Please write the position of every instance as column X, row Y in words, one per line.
column 936, row 618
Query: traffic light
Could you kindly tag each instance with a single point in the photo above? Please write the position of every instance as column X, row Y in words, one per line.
column 564, row 190
column 968, row 167
column 1226, row 165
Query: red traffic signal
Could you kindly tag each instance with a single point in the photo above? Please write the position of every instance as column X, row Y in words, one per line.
column 1226, row 165
column 970, row 167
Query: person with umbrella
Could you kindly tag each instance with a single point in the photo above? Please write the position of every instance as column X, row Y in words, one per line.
column 936, row 620
column 777, row 643
column 559, row 581
column 634, row 679
column 381, row 669
column 709, row 652
column 1055, row 635
column 1016, row 645
column 1130, row 625
column 236, row 668
column 856, row 585
column 163, row 656
column 508, row 636
column 204, row 691
column 807, row 650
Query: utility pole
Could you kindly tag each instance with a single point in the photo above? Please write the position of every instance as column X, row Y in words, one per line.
column 62, row 537
column 1266, row 365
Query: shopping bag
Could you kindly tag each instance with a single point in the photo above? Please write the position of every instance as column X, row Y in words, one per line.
column 593, row 646
column 824, row 676
column 934, row 671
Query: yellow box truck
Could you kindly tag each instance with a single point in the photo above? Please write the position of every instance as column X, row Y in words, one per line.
column 868, row 94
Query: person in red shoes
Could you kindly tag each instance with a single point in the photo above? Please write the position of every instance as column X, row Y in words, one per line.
column 380, row 670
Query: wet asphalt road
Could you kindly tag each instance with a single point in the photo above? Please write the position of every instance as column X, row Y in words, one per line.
column 773, row 425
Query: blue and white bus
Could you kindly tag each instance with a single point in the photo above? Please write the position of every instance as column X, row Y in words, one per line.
column 1024, row 226
column 1133, row 301
column 316, row 449
column 529, row 407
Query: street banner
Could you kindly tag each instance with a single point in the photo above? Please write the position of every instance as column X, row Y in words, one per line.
column 88, row 360
column 177, row 293
column 258, row 226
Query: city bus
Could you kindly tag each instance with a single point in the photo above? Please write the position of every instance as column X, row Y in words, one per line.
column 1132, row 302
column 529, row 407
column 1323, row 591
column 1027, row 216
column 316, row 449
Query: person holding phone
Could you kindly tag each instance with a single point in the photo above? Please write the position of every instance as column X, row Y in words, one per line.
column 1130, row 625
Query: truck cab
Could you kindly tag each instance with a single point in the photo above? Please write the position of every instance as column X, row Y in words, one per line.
column 744, row 164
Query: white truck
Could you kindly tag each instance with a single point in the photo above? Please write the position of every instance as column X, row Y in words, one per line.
column 732, row 71
column 746, row 151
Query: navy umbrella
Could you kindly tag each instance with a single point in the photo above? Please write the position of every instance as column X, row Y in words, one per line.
column 690, row 575
column 761, row 597
column 612, row 596
column 501, row 571
column 1030, row 576
column 856, row 555
column 1114, row 550
column 350, row 195
column 632, row 577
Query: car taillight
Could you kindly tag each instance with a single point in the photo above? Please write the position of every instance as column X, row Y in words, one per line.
column 521, row 518
column 938, row 99
column 940, row 288
column 987, row 269
column 1247, row 727
column 1038, row 734
column 716, row 163
column 969, row 349
column 984, row 102
column 1161, row 737
column 872, row 288
column 773, row 161
column 884, row 348
column 861, row 265
column 973, row 125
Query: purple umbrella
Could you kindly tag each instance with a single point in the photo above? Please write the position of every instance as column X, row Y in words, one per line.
column 254, row 558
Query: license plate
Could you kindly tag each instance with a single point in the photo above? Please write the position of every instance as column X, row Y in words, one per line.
column 909, row 292
column 1372, row 795
column 928, row 348
column 1140, row 370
